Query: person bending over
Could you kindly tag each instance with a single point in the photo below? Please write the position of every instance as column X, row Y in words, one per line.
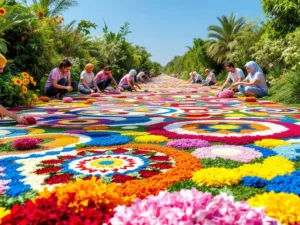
column 104, row 78
column 127, row 82
column 87, row 84
column 210, row 78
column 234, row 75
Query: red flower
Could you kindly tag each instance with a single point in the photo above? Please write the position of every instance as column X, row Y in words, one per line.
column 66, row 157
column 148, row 173
column 26, row 143
column 161, row 166
column 30, row 119
column 52, row 161
column 120, row 150
column 51, row 169
column 59, row 179
column 140, row 152
column 82, row 153
column 47, row 211
column 120, row 178
column 159, row 158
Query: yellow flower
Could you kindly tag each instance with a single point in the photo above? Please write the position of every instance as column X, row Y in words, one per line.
column 25, row 75
column 3, row 212
column 17, row 81
column 271, row 143
column 26, row 81
column 2, row 12
column 31, row 79
column 24, row 90
column 151, row 139
column 34, row 83
column 270, row 168
column 35, row 97
column 284, row 207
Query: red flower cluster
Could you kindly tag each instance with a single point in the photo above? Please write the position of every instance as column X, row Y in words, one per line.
column 30, row 119
column 120, row 178
column 47, row 211
column 59, row 179
column 26, row 143
column 250, row 99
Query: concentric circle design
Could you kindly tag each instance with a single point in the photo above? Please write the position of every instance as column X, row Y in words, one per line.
column 74, row 123
column 272, row 110
column 107, row 165
column 228, row 131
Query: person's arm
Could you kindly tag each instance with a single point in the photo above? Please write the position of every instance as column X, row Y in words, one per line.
column 130, row 85
column 115, row 82
column 86, row 86
column 19, row 119
column 189, row 80
column 246, row 83
column 56, row 85
column 225, row 84
column 95, row 85
column 69, row 79
column 208, row 79
column 135, row 84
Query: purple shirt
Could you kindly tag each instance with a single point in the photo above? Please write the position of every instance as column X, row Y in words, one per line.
column 56, row 74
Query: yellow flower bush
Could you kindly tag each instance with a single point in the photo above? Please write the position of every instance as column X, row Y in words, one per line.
column 270, row 168
column 151, row 139
column 3, row 212
column 79, row 193
column 284, row 207
column 271, row 143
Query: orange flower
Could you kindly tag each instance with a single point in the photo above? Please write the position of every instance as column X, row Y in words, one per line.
column 34, row 83
column 44, row 99
column 2, row 12
column 26, row 81
column 25, row 75
column 17, row 81
column 80, row 193
column 24, row 90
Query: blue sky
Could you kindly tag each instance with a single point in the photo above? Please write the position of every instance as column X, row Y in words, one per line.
column 164, row 27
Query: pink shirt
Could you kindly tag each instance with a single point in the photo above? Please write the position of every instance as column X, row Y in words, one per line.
column 102, row 76
column 56, row 74
column 125, row 79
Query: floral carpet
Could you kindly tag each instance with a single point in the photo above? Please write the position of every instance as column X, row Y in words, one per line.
column 170, row 154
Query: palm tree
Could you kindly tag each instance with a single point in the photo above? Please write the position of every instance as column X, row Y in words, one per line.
column 50, row 8
column 224, row 38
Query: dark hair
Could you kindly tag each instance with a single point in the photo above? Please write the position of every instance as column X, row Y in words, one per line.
column 229, row 64
column 65, row 63
column 107, row 68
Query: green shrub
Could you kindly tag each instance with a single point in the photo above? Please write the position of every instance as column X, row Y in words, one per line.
column 287, row 88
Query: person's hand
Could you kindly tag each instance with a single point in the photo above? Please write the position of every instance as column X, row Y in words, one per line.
column 92, row 91
column 69, row 88
column 21, row 120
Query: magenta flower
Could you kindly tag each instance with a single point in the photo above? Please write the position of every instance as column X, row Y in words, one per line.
column 67, row 100
column 26, row 143
column 188, row 143
column 225, row 94
column 190, row 207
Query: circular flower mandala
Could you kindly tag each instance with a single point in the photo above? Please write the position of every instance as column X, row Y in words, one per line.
column 236, row 153
column 225, row 130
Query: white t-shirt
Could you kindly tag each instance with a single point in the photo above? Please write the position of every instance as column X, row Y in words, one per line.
column 212, row 77
column 88, row 77
column 198, row 77
column 259, row 76
column 238, row 73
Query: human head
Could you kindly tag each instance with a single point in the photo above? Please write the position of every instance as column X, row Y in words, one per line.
column 252, row 67
column 65, row 66
column 3, row 62
column 229, row 66
column 89, row 67
column 132, row 72
column 207, row 71
column 192, row 74
column 107, row 69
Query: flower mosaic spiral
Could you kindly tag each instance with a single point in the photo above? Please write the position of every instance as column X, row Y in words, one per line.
column 227, row 131
column 74, row 123
column 272, row 110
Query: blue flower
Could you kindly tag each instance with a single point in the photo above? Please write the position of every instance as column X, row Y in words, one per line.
column 286, row 183
column 291, row 152
column 256, row 182
column 106, row 139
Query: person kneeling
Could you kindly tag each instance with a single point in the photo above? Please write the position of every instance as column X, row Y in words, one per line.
column 87, row 84
column 59, row 81
column 255, row 84
column 127, row 82
column 210, row 78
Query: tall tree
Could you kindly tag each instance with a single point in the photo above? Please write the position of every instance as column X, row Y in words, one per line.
column 224, row 38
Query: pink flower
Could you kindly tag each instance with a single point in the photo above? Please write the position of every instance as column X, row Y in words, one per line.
column 26, row 143
column 188, row 143
column 95, row 95
column 67, row 100
column 225, row 94
column 190, row 207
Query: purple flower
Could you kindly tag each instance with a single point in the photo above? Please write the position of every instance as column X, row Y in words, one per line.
column 188, row 143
